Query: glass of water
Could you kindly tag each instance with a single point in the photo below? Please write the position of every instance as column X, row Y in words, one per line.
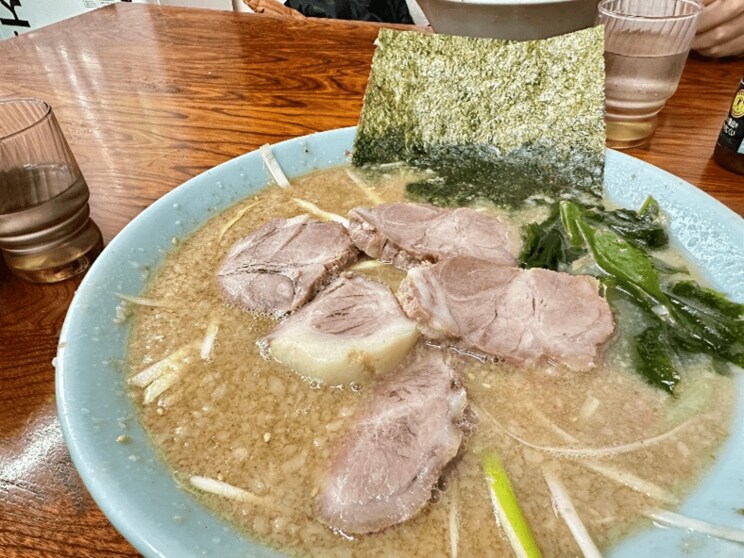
column 46, row 233
column 646, row 46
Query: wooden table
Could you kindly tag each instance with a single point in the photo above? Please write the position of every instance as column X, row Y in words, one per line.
column 149, row 97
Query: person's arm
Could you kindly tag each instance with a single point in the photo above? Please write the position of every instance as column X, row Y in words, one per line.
column 720, row 29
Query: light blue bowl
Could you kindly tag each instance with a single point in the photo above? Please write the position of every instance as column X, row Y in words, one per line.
column 135, row 489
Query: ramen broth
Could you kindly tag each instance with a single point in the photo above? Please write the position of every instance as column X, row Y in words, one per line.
column 257, row 425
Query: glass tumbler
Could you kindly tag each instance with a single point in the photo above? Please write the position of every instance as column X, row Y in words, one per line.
column 646, row 46
column 46, row 234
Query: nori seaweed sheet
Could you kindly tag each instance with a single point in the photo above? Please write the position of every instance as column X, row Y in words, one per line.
column 496, row 120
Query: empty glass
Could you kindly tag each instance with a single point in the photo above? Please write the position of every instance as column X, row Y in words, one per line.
column 46, row 233
column 646, row 46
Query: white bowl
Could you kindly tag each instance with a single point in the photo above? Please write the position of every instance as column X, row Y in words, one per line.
column 519, row 20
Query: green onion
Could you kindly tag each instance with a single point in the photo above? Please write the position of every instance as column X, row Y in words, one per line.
column 506, row 508
column 313, row 209
column 220, row 488
column 238, row 216
column 565, row 508
column 454, row 521
column 676, row 520
column 141, row 301
column 205, row 352
column 173, row 361
column 366, row 189
column 272, row 166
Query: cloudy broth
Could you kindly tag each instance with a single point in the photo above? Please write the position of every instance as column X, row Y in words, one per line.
column 256, row 425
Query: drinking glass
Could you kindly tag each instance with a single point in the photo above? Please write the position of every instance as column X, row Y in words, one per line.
column 646, row 46
column 46, row 233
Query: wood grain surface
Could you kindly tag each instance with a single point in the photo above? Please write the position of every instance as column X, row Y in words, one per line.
column 150, row 96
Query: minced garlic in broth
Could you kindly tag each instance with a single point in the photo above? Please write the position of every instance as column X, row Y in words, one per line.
column 256, row 425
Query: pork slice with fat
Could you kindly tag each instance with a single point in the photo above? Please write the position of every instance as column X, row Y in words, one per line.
column 279, row 267
column 409, row 234
column 385, row 467
column 523, row 316
column 354, row 330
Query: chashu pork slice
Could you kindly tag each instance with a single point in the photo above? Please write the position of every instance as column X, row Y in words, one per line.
column 409, row 234
column 523, row 316
column 384, row 468
column 279, row 267
column 355, row 329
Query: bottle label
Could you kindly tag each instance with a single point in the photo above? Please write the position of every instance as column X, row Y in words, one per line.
column 737, row 107
column 731, row 137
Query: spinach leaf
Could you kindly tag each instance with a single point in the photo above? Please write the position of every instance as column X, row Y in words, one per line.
column 650, row 349
column 634, row 272
column 708, row 322
column 546, row 244
column 653, row 358
column 643, row 228
column 570, row 217
column 631, row 266
column 543, row 247
column 709, row 298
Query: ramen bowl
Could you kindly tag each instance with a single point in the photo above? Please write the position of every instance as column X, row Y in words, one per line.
column 124, row 471
column 519, row 20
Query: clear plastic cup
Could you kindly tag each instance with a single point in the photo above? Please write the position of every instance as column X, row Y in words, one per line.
column 46, row 234
column 646, row 46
